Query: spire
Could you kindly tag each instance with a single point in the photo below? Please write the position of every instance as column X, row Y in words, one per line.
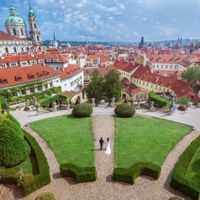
column 54, row 36
column 12, row 11
column 31, row 12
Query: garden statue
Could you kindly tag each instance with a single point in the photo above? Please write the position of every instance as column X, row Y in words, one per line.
column 152, row 108
column 54, row 106
column 138, row 102
column 93, row 102
column 27, row 102
column 113, row 102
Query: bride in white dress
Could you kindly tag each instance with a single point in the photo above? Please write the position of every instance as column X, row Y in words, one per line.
column 108, row 148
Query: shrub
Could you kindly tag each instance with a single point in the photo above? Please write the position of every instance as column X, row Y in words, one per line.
column 46, row 196
column 32, row 183
column 191, row 187
column 124, row 110
column 26, row 108
column 129, row 175
column 13, row 147
column 82, row 110
column 183, row 100
column 80, row 174
column 159, row 101
column 182, row 108
column 3, row 102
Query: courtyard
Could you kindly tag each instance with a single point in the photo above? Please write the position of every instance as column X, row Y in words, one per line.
column 52, row 131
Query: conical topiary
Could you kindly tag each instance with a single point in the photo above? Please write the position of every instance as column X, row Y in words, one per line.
column 13, row 148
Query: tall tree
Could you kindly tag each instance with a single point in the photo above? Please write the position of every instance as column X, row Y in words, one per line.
column 192, row 75
column 112, row 86
column 95, row 88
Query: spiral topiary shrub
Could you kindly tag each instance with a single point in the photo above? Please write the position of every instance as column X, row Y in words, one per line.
column 13, row 148
column 124, row 110
column 82, row 110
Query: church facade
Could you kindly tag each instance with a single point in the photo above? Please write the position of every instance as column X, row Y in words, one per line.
column 17, row 39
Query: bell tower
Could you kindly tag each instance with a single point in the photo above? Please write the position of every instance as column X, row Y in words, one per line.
column 34, row 29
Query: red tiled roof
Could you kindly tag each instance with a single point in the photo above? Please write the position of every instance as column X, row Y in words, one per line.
column 126, row 66
column 27, row 57
column 5, row 36
column 9, row 76
column 130, row 88
column 180, row 87
column 69, row 71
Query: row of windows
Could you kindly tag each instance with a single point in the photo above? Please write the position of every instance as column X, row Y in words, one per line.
column 77, row 80
column 166, row 66
column 33, row 90
column 22, row 49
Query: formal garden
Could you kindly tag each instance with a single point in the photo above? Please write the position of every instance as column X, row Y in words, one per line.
column 141, row 144
column 71, row 140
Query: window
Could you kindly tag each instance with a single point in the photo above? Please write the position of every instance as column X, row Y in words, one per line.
column 22, row 32
column 23, row 92
column 35, row 25
column 14, row 31
column 32, row 90
column 6, row 50
column 40, row 88
column 38, row 39
column 15, row 49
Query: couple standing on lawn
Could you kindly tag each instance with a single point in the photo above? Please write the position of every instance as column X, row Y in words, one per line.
column 108, row 148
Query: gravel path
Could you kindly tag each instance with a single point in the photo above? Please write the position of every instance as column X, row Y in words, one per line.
column 104, row 188
column 51, row 158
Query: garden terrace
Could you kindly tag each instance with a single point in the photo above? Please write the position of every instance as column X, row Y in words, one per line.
column 142, row 144
column 72, row 142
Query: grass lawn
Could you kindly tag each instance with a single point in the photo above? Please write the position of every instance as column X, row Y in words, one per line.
column 30, row 165
column 71, row 139
column 145, row 139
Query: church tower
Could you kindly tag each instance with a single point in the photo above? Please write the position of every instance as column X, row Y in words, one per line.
column 34, row 29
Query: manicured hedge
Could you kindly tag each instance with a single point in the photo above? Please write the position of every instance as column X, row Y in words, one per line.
column 13, row 148
column 179, row 182
column 80, row 174
column 182, row 108
column 129, row 175
column 82, row 110
column 30, row 183
column 46, row 196
column 124, row 110
column 159, row 101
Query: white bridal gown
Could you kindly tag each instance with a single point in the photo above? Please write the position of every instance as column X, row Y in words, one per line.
column 108, row 149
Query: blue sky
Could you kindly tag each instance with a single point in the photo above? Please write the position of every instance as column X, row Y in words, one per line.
column 111, row 20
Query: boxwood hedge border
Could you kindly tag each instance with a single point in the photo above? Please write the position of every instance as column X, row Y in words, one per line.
column 129, row 175
column 80, row 174
column 179, row 181
column 29, row 183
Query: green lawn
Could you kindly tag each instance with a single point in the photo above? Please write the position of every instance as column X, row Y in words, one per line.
column 145, row 139
column 71, row 139
column 30, row 165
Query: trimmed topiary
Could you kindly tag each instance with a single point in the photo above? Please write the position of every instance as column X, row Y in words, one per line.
column 182, row 108
column 124, row 110
column 82, row 110
column 13, row 148
column 46, row 196
column 26, row 108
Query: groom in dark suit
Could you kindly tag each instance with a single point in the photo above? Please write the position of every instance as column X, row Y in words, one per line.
column 101, row 142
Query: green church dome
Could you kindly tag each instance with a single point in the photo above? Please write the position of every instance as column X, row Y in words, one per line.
column 14, row 20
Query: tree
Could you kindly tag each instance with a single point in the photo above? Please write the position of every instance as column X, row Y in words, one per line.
column 112, row 86
column 192, row 75
column 95, row 87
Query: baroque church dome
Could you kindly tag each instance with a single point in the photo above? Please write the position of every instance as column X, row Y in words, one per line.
column 13, row 19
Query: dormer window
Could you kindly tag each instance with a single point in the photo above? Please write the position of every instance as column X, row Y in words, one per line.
column 3, row 81
column 31, row 76
column 18, row 78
